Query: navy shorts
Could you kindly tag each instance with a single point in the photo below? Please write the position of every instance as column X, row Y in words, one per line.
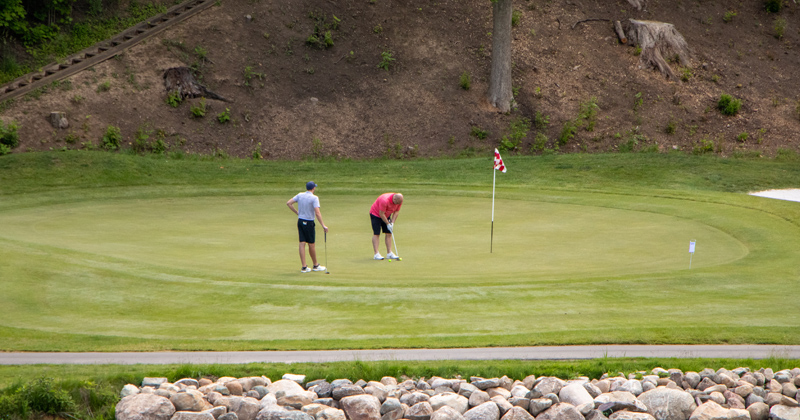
column 306, row 231
column 378, row 225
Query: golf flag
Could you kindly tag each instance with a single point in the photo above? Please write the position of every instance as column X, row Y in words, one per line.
column 691, row 251
column 498, row 162
column 498, row 166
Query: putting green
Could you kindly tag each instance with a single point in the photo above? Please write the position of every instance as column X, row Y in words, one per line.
column 444, row 240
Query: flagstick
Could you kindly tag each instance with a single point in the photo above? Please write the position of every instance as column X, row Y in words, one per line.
column 494, row 179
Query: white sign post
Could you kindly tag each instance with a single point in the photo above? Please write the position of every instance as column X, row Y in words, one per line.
column 691, row 251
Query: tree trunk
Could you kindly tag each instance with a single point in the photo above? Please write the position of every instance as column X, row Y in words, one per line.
column 500, row 94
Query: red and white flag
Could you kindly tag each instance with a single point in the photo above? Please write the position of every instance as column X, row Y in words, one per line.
column 498, row 162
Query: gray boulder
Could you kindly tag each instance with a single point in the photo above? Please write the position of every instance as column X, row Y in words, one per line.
column 192, row 415
column 538, row 405
column 361, row 407
column 420, row 411
column 713, row 411
column 783, row 412
column 144, row 407
column 447, row 413
column 478, row 397
column 189, row 400
column 758, row 411
column 273, row 413
column 575, row 394
column 467, row 389
column 630, row 415
column 452, row 400
column 517, row 413
column 154, row 382
column 343, row 391
column 485, row 411
column 285, row 387
column 129, row 389
column 668, row 404
column 549, row 385
column 561, row 411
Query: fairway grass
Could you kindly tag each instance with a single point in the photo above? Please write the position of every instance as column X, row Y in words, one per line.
column 105, row 252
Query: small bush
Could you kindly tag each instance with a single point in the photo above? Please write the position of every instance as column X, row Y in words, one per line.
column 43, row 396
column 112, row 139
column 703, row 147
column 4, row 150
column 199, row 110
column 539, row 143
column 516, row 15
column 779, row 27
column 729, row 105
column 174, row 99
column 518, row 130
column 541, row 121
column 686, row 74
column 478, row 133
column 386, row 60
column 224, row 116
column 465, row 81
column 567, row 132
column 671, row 127
column 729, row 15
column 587, row 113
column 742, row 137
column 104, row 87
column 9, row 134
column 773, row 6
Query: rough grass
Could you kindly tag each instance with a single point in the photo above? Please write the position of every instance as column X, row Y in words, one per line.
column 100, row 249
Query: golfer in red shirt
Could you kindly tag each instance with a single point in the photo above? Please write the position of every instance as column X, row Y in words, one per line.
column 383, row 214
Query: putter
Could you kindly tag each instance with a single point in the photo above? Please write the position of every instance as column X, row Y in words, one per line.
column 326, row 254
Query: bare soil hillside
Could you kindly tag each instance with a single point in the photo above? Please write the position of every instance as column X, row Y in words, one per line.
column 293, row 97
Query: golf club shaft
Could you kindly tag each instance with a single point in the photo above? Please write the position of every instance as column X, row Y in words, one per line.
column 326, row 251
column 395, row 244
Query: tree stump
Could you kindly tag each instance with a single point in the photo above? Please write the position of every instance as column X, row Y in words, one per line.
column 638, row 4
column 658, row 40
column 181, row 80
column 58, row 119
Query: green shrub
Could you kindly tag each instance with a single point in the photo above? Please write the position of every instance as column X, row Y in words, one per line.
column 224, row 116
column 518, row 130
column 199, row 110
column 779, row 27
column 174, row 99
column 671, row 127
column 587, row 113
column 104, row 87
column 386, row 60
column 773, row 6
column 465, row 81
column 539, row 143
column 567, row 132
column 703, row 147
column 729, row 15
column 43, row 396
column 686, row 74
column 478, row 133
column 4, row 150
column 540, row 121
column 9, row 134
column 742, row 137
column 112, row 139
column 13, row 406
column 729, row 105
column 516, row 15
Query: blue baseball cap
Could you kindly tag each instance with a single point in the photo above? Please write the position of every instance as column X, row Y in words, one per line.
column 310, row 185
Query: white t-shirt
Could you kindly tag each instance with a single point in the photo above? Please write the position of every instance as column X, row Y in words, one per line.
column 306, row 203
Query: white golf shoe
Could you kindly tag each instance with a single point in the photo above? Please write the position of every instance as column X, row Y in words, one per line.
column 391, row 256
column 377, row 257
column 319, row 268
column 305, row 270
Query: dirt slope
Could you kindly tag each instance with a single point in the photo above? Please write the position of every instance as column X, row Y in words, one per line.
column 297, row 100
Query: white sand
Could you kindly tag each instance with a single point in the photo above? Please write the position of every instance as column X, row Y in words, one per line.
column 790, row 194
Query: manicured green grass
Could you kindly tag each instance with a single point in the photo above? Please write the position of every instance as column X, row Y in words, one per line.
column 116, row 252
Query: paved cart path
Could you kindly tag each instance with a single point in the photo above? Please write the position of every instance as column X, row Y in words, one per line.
column 492, row 353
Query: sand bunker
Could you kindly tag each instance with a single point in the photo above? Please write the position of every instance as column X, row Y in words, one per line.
column 789, row 194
